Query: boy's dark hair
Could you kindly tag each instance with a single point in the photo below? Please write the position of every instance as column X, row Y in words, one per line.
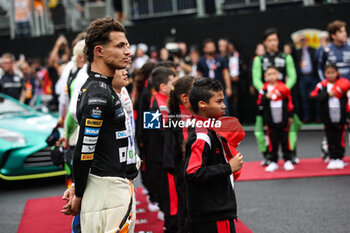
column 268, row 32
column 335, row 26
column 160, row 75
column 330, row 65
column 202, row 90
column 167, row 64
column 271, row 67
column 181, row 86
column 98, row 34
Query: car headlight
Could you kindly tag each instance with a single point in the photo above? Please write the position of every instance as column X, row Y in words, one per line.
column 11, row 136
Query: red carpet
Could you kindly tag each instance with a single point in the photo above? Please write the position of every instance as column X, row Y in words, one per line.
column 43, row 215
column 147, row 221
column 311, row 167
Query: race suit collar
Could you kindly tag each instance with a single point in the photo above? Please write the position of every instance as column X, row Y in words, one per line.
column 162, row 96
column 100, row 77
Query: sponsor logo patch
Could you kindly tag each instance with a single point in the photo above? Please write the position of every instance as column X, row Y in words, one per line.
column 96, row 112
column 88, row 149
column 121, row 134
column 122, row 154
column 97, row 101
column 131, row 154
column 90, row 140
column 87, row 157
column 93, row 123
column 103, row 85
column 91, row 131
column 118, row 113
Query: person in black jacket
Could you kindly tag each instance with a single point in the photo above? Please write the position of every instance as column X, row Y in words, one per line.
column 162, row 185
column 103, row 190
column 334, row 112
column 306, row 66
column 211, row 198
column 175, row 139
column 142, row 98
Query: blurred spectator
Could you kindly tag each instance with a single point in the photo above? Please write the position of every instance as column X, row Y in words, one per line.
column 287, row 49
column 223, row 48
column 38, row 73
column 22, row 18
column 169, row 64
column 118, row 10
column 60, row 54
column 337, row 51
column 11, row 82
column 252, row 97
column 183, row 51
column 182, row 60
column 140, row 57
column 62, row 81
column 153, row 54
column 29, row 83
column 324, row 41
column 234, row 68
column 259, row 51
column 164, row 54
column 194, row 57
column 215, row 67
column 305, row 64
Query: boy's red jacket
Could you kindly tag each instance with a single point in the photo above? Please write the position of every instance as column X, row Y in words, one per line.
column 232, row 131
column 264, row 107
column 341, row 87
column 155, row 152
column 210, row 193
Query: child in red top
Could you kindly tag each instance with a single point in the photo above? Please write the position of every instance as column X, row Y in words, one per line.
column 276, row 107
column 334, row 111
column 211, row 199
column 174, row 143
column 161, row 182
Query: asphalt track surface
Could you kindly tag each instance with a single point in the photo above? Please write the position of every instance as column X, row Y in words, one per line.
column 308, row 205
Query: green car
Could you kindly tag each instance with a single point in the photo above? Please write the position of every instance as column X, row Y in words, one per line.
column 24, row 154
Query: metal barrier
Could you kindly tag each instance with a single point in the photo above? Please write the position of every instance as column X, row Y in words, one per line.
column 41, row 24
column 233, row 4
column 142, row 9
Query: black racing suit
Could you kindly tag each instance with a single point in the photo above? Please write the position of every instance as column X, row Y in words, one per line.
column 99, row 147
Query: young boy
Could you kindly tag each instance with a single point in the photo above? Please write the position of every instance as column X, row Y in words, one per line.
column 334, row 110
column 211, row 198
column 161, row 182
column 276, row 107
